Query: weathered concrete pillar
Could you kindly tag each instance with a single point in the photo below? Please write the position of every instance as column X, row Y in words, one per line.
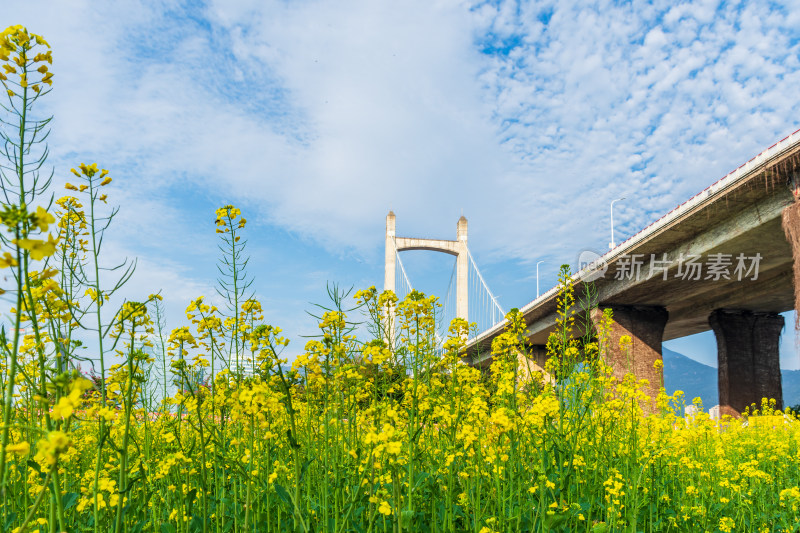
column 389, row 265
column 389, row 270
column 538, row 354
column 532, row 361
column 645, row 326
column 462, row 271
column 748, row 358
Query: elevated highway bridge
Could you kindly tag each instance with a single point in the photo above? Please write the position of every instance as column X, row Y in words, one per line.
column 719, row 261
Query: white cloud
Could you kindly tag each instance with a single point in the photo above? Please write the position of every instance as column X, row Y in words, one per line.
column 655, row 104
column 322, row 118
column 319, row 117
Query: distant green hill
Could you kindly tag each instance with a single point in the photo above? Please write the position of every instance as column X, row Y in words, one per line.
column 699, row 380
column 791, row 387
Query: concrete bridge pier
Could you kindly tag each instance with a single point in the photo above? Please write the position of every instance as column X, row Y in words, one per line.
column 748, row 359
column 645, row 326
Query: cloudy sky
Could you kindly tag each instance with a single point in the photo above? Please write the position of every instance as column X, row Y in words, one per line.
column 316, row 118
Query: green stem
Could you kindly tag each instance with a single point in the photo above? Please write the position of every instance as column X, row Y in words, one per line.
column 21, row 279
column 123, row 460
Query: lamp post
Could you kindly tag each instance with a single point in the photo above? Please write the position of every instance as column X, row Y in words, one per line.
column 613, row 244
column 537, row 277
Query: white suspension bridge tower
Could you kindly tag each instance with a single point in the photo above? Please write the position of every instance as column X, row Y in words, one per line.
column 474, row 301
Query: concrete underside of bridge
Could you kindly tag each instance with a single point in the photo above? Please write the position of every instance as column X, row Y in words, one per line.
column 743, row 218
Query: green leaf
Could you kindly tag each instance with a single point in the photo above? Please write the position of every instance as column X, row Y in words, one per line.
column 305, row 467
column 406, row 517
column 69, row 499
column 552, row 522
column 283, row 494
column 11, row 518
column 602, row 527
column 195, row 524
column 421, row 477
column 167, row 528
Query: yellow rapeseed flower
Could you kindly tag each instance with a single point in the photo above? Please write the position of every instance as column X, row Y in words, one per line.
column 38, row 248
column 21, row 448
column 43, row 219
column 7, row 260
column 63, row 409
column 726, row 524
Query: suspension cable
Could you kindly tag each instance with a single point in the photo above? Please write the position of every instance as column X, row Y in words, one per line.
column 485, row 286
column 402, row 268
column 444, row 323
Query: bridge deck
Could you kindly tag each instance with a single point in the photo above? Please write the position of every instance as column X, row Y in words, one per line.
column 741, row 213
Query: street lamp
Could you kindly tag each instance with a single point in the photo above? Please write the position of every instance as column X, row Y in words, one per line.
column 537, row 277
column 612, row 244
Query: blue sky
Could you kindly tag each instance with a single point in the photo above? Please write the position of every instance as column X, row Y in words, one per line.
column 316, row 118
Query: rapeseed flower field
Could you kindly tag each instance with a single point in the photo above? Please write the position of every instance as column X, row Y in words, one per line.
column 376, row 426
